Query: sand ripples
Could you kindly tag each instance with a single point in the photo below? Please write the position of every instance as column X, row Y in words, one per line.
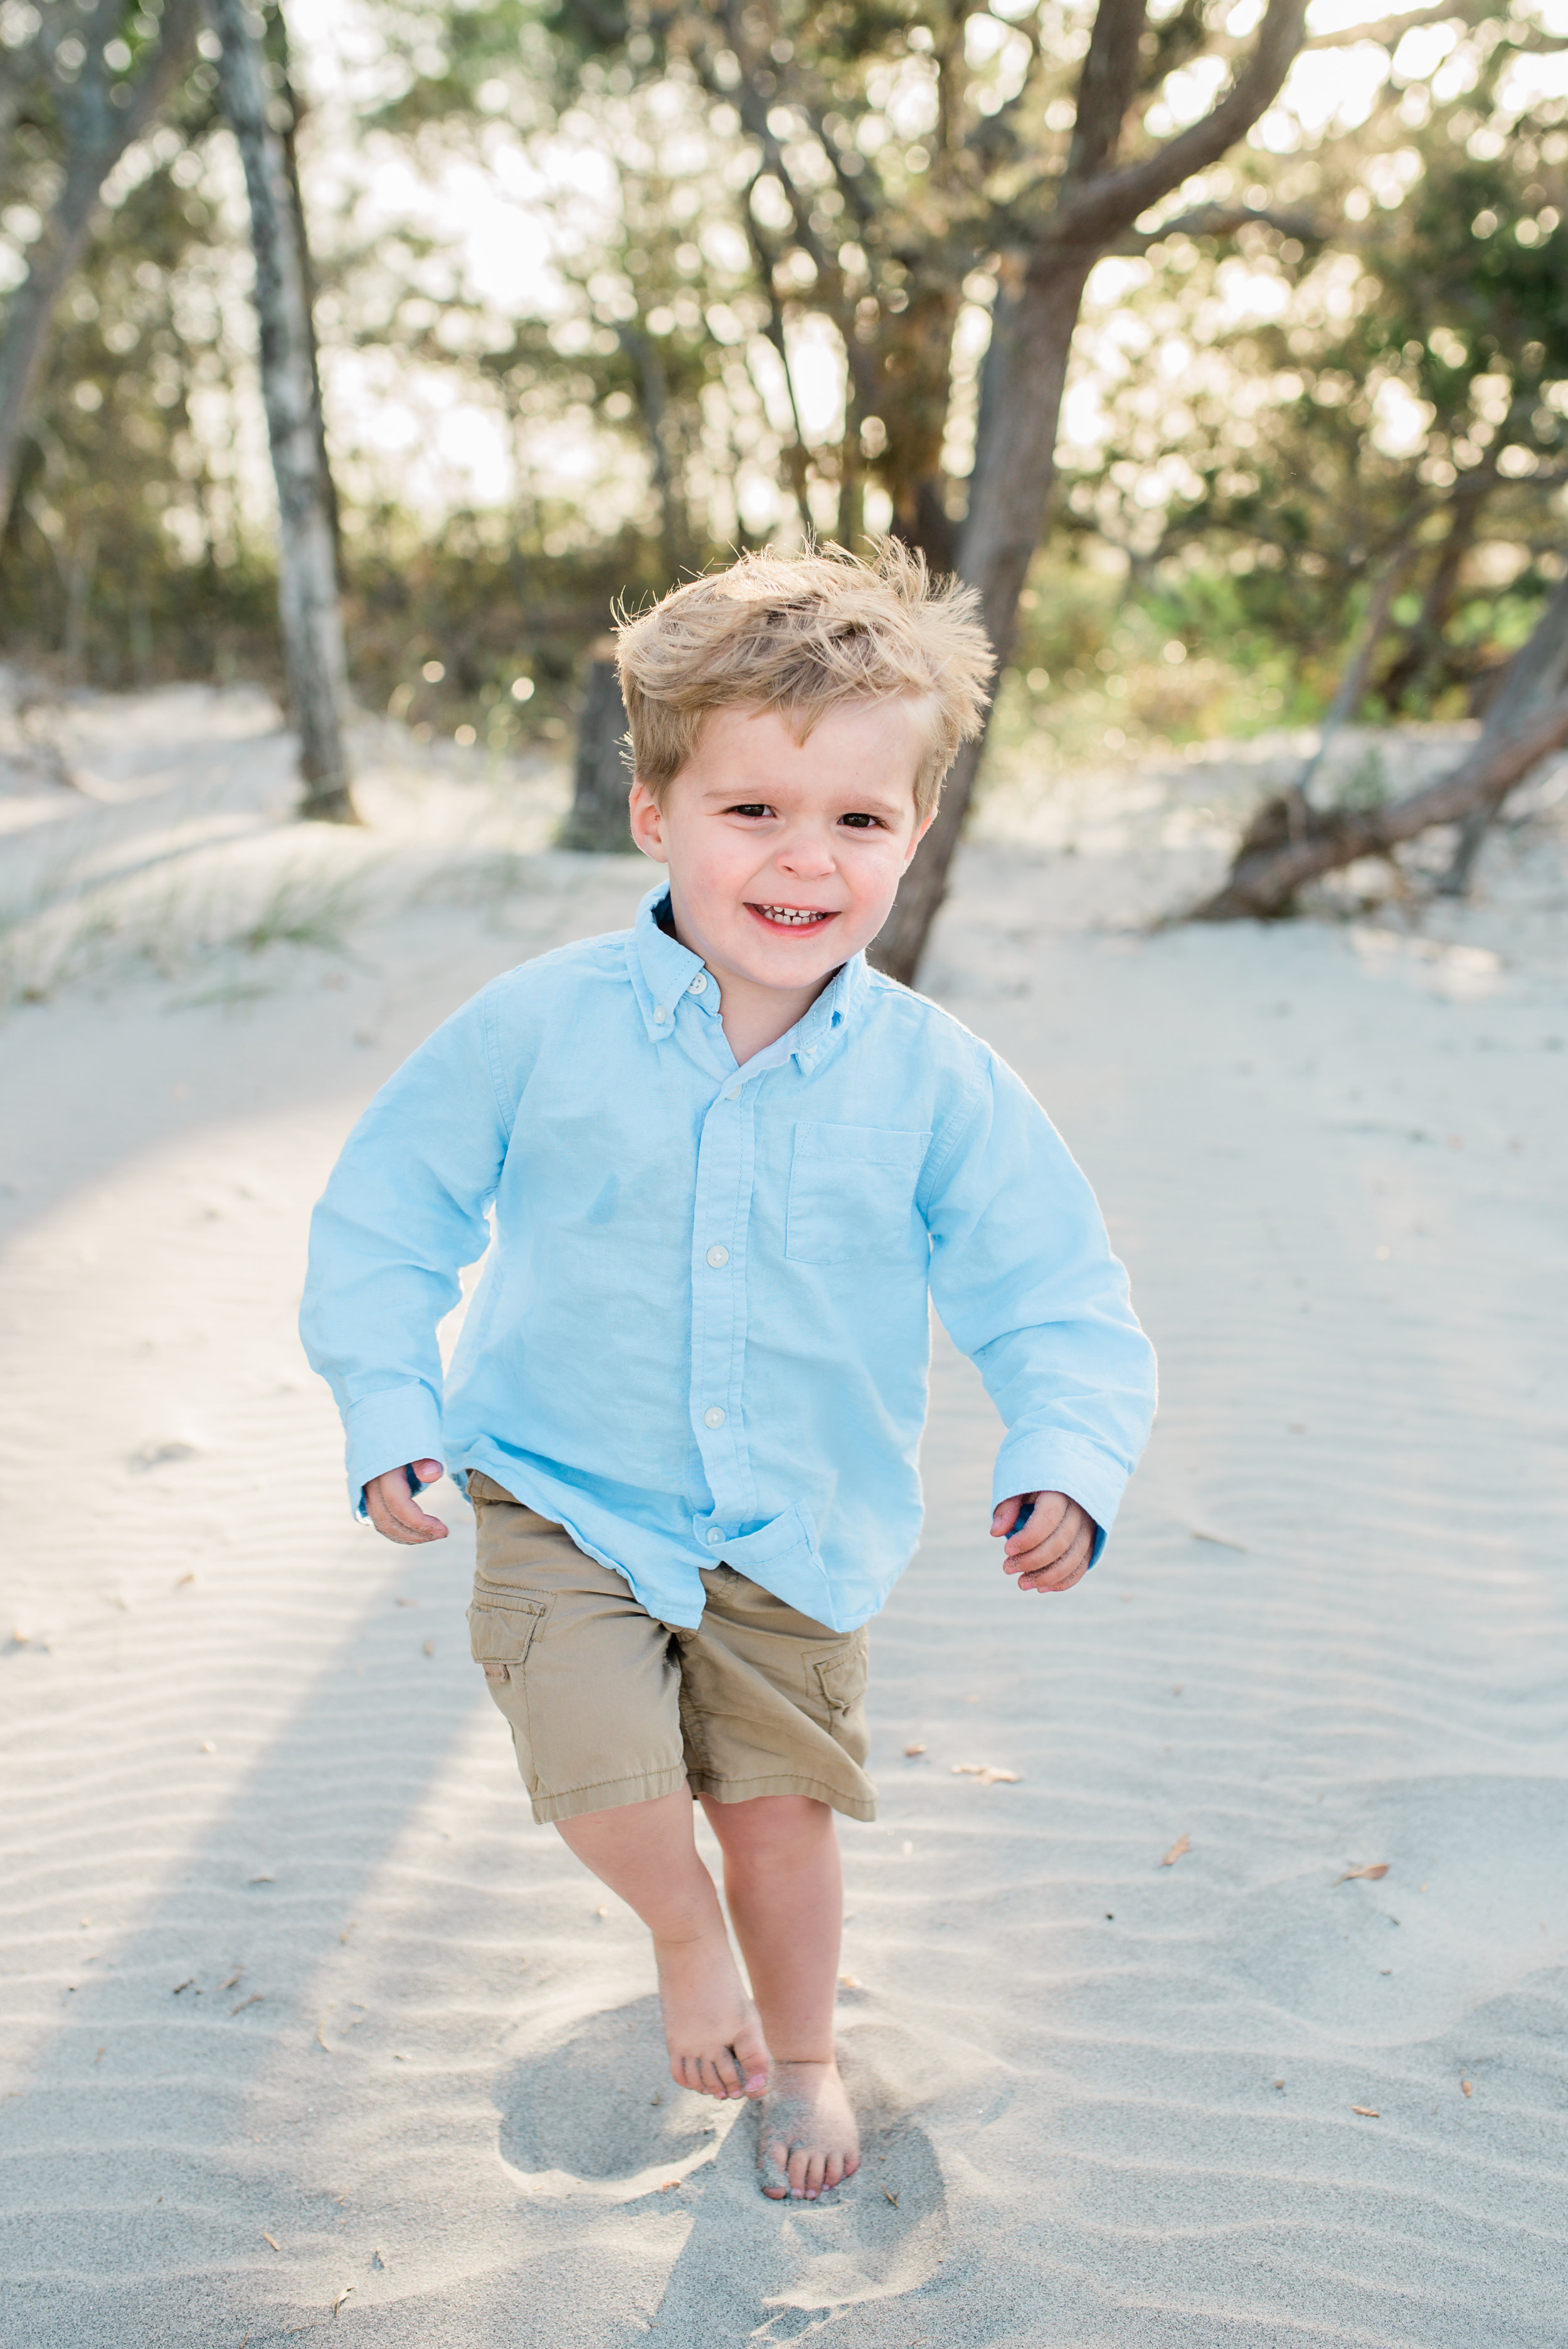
column 301, row 2006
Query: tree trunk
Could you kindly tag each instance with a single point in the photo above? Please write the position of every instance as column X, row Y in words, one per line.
column 1016, row 465
column 1537, row 671
column 309, row 605
column 598, row 822
column 97, row 134
column 25, row 343
column 1283, row 848
column 275, row 47
column 1022, row 385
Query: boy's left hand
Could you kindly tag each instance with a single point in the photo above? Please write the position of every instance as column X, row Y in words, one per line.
column 1052, row 1549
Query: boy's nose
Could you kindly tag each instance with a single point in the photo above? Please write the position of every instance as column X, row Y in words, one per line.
column 805, row 858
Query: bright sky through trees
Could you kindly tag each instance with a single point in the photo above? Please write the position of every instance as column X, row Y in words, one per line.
column 495, row 223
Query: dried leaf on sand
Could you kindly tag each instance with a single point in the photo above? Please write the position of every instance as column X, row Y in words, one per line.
column 1178, row 1850
column 988, row 1773
column 1367, row 2112
column 1372, row 1874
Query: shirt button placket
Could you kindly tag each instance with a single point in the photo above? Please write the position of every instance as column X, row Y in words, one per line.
column 721, row 1158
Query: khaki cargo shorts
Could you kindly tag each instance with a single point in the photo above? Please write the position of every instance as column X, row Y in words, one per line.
column 608, row 1705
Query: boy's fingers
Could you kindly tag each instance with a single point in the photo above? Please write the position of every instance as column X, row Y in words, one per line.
column 1026, row 1555
column 1052, row 1514
column 1066, row 1571
column 394, row 1512
column 1005, row 1516
column 1059, row 1561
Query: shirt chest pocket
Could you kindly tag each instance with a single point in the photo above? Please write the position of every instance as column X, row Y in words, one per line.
column 851, row 1193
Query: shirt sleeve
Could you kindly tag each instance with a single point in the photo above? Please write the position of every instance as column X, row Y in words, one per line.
column 405, row 1211
column 1024, row 1279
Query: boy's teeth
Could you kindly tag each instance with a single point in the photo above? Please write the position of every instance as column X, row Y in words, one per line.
column 791, row 913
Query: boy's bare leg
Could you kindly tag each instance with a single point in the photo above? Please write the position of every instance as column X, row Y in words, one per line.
column 647, row 1853
column 784, row 1884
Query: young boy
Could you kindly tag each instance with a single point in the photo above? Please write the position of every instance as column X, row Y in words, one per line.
column 730, row 1166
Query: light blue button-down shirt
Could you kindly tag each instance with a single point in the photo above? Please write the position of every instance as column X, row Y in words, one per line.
column 702, row 1333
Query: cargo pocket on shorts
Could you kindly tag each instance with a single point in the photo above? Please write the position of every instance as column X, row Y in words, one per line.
column 841, row 1673
column 501, row 1628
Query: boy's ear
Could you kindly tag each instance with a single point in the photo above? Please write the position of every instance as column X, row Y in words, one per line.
column 921, row 828
column 647, row 822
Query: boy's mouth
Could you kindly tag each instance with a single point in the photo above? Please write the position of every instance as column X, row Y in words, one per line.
column 790, row 917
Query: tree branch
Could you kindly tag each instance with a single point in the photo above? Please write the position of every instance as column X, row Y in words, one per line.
column 1269, row 871
column 1222, row 220
column 1106, row 88
column 1389, row 31
column 1089, row 214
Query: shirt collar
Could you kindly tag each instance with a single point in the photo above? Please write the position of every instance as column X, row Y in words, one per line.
column 830, row 1015
column 662, row 971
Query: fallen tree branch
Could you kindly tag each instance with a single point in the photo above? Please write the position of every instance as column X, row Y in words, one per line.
column 1283, row 850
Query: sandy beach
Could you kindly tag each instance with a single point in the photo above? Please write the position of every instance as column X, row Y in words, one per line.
column 1206, row 1973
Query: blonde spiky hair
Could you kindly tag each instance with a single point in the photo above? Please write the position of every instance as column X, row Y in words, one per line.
column 803, row 633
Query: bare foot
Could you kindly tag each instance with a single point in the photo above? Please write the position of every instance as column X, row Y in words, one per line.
column 807, row 2136
column 711, row 2028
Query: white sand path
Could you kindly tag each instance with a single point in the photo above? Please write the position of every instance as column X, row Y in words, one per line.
column 301, row 2004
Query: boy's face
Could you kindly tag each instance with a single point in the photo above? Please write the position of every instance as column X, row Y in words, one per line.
column 785, row 856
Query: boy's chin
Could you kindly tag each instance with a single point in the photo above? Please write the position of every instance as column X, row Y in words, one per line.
column 803, row 966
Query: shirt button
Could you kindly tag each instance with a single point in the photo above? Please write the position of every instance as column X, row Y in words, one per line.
column 661, row 1014
column 715, row 1538
column 699, row 984
column 714, row 1418
column 733, row 1094
column 717, row 1256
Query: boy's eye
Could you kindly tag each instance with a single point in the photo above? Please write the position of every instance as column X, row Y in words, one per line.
column 861, row 821
column 750, row 807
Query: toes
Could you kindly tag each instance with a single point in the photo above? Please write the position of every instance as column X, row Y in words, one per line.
column 834, row 2170
column 755, row 2063
column 723, row 2066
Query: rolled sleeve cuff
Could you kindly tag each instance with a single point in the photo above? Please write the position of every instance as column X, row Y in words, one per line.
column 1062, row 1464
column 389, row 1430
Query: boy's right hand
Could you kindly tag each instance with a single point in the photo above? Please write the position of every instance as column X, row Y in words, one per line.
column 392, row 1509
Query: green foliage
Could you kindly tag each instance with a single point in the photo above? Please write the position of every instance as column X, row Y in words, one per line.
column 1403, row 398
column 1376, row 368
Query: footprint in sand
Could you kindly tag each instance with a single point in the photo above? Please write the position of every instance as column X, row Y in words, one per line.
column 596, row 2112
column 754, row 2270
